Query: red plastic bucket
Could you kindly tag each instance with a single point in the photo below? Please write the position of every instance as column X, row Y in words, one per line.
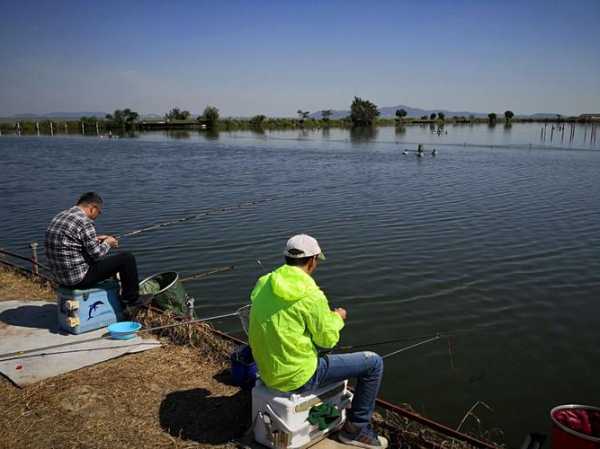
column 564, row 437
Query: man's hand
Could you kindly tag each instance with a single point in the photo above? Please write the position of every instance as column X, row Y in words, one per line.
column 101, row 238
column 112, row 242
column 341, row 312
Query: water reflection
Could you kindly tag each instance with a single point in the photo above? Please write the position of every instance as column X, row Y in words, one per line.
column 178, row 134
column 303, row 133
column 212, row 134
column 399, row 130
column 363, row 134
column 257, row 130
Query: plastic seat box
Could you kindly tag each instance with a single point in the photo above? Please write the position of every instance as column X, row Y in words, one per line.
column 86, row 310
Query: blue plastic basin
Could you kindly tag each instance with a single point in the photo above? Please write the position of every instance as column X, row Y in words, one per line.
column 124, row 330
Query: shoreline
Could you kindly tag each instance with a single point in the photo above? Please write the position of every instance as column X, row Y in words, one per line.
column 103, row 127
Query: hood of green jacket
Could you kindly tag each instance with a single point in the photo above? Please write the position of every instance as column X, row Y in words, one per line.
column 291, row 283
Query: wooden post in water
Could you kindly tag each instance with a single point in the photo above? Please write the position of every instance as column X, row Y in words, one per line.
column 18, row 128
column 51, row 129
column 34, row 257
column 551, row 133
column 37, row 126
column 83, row 128
column 97, row 130
column 66, row 128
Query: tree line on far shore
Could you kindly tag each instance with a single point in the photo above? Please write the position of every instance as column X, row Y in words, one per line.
column 363, row 113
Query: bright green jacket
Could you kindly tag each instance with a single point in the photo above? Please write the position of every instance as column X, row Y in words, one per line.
column 289, row 318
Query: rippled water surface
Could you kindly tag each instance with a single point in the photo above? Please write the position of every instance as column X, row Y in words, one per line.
column 496, row 239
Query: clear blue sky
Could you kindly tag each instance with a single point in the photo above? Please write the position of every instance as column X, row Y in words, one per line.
column 275, row 57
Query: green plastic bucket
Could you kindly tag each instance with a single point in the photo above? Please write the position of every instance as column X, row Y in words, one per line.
column 169, row 293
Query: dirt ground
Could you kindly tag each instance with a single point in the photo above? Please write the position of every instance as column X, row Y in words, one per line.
column 172, row 397
column 167, row 397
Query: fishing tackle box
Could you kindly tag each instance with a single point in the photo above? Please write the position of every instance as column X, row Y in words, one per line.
column 280, row 420
column 86, row 310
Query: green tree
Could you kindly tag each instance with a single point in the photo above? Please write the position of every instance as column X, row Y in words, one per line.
column 441, row 116
column 363, row 112
column 326, row 114
column 125, row 118
column 303, row 115
column 210, row 115
column 177, row 114
column 400, row 114
column 492, row 118
column 258, row 121
column 433, row 116
column 508, row 116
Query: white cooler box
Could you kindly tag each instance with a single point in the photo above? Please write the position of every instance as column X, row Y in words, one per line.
column 281, row 419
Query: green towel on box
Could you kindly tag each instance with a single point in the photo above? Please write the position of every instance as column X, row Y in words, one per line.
column 322, row 415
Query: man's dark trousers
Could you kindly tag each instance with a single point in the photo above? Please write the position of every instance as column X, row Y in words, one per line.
column 123, row 263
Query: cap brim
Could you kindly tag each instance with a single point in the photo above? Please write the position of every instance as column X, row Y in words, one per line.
column 321, row 256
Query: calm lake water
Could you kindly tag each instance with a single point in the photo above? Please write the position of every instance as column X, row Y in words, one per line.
column 495, row 239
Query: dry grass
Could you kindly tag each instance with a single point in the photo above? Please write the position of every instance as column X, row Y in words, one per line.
column 14, row 285
column 412, row 435
column 178, row 396
column 168, row 397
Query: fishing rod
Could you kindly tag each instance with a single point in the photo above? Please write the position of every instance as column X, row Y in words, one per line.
column 26, row 259
column 204, row 274
column 406, row 348
column 387, row 342
column 189, row 217
column 448, row 334
column 207, row 273
column 18, row 354
column 222, row 209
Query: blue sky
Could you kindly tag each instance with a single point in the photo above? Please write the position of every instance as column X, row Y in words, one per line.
column 272, row 58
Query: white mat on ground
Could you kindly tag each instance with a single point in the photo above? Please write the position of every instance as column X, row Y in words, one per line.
column 26, row 325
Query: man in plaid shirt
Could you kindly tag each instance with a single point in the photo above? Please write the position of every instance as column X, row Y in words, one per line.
column 78, row 257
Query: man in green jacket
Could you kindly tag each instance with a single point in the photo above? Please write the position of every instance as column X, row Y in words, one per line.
column 290, row 319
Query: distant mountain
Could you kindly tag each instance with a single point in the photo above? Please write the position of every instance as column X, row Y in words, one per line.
column 541, row 115
column 390, row 112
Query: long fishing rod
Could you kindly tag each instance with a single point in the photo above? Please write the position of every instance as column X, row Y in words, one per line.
column 442, row 334
column 207, row 273
column 26, row 259
column 10, row 355
column 220, row 210
column 387, row 342
column 406, row 348
column 189, row 217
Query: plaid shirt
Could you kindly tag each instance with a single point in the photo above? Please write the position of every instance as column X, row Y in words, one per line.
column 71, row 246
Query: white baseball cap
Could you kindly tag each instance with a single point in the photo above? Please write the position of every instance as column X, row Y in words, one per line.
column 303, row 245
